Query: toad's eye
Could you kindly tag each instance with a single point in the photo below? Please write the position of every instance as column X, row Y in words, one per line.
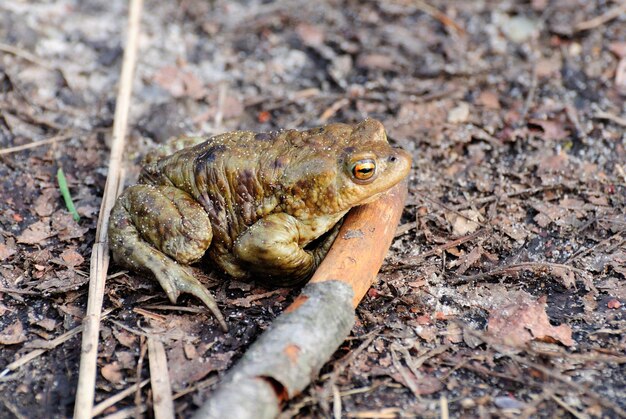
column 364, row 169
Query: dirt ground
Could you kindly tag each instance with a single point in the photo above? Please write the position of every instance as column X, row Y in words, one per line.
column 503, row 293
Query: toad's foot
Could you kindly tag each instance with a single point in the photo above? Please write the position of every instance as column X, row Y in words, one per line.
column 161, row 229
column 175, row 279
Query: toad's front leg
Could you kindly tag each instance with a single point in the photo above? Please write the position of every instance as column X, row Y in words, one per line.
column 160, row 229
column 271, row 248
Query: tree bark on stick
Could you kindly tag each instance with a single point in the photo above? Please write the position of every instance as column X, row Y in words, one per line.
column 284, row 360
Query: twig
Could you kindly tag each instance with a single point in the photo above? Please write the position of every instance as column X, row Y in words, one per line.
column 34, row 354
column 28, row 56
column 54, row 139
column 609, row 15
column 515, row 268
column 160, row 380
column 492, row 198
column 440, row 16
column 105, row 404
column 100, row 254
column 611, row 117
column 443, row 402
column 452, row 244
column 569, row 408
column 332, row 110
column 530, row 97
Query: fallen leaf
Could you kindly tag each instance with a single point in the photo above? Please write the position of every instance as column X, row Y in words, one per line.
column 125, row 338
column 489, row 100
column 13, row 334
column 36, row 233
column 179, row 82
column 552, row 130
column 310, row 35
column 567, row 277
column 192, row 370
column 66, row 227
column 618, row 48
column 463, row 225
column 111, row 372
column 459, row 114
column 375, row 62
column 72, row 258
column 520, row 322
column 423, row 385
column 6, row 251
column 470, row 259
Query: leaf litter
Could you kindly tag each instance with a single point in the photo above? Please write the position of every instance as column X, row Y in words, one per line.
column 504, row 289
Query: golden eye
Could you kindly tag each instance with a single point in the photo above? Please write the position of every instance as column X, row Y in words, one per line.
column 364, row 169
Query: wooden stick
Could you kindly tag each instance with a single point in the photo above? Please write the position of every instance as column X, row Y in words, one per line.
column 100, row 253
column 360, row 248
column 284, row 360
column 163, row 405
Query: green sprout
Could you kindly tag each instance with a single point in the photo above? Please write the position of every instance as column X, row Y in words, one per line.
column 65, row 191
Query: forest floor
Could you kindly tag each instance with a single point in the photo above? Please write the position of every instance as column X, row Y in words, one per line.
column 503, row 292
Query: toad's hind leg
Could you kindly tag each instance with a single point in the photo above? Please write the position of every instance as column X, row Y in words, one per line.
column 160, row 229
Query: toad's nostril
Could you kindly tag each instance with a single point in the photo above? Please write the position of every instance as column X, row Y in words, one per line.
column 393, row 159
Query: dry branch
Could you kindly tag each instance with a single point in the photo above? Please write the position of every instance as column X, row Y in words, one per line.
column 100, row 252
column 282, row 362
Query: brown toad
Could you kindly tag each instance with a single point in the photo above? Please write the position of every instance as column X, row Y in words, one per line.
column 263, row 206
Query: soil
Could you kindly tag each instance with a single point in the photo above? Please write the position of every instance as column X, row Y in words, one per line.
column 503, row 292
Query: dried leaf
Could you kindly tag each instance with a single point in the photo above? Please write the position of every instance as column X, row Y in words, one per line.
column 35, row 233
column 6, row 251
column 518, row 323
column 13, row 334
column 66, row 227
column 470, row 259
column 111, row 372
column 179, row 82
column 460, row 114
column 552, row 130
column 463, row 225
column 72, row 258
column 489, row 100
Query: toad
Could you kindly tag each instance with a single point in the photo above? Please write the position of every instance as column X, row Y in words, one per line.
column 262, row 206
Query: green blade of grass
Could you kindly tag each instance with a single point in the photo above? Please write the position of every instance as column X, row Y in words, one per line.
column 65, row 191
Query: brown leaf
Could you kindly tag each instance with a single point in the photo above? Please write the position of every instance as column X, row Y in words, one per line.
column 35, row 233
column 179, row 82
column 192, row 370
column 567, row 277
column 470, row 259
column 552, row 130
column 375, row 62
column 518, row 323
column 310, row 35
column 618, row 48
column 13, row 334
column 111, row 372
column 489, row 100
column 424, row 385
column 66, row 227
column 553, row 163
column 463, row 225
column 6, row 251
column 125, row 338
column 45, row 203
column 72, row 258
